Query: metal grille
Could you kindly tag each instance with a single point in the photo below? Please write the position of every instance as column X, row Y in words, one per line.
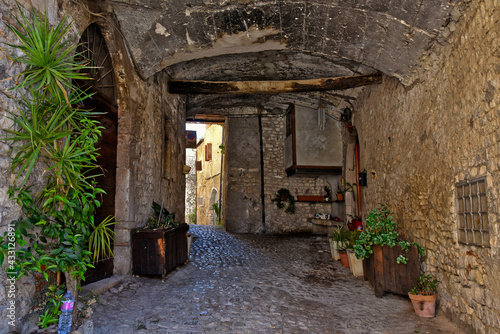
column 473, row 213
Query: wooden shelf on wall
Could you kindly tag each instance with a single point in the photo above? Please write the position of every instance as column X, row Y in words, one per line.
column 314, row 199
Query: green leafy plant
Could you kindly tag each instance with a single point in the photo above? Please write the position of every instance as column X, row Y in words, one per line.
column 343, row 188
column 216, row 209
column 53, row 134
column 101, row 240
column 284, row 196
column 53, row 308
column 381, row 230
column 192, row 217
column 161, row 218
column 341, row 237
column 426, row 285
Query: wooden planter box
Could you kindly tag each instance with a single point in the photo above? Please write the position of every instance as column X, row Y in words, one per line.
column 156, row 252
column 386, row 275
column 309, row 198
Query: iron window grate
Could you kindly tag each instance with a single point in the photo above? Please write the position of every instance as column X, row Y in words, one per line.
column 472, row 211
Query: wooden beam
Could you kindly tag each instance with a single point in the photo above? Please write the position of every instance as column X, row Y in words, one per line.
column 271, row 87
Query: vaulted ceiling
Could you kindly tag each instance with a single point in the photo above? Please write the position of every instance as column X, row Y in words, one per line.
column 280, row 40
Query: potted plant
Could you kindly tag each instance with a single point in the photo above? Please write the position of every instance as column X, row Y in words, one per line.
column 161, row 245
column 341, row 236
column 343, row 188
column 328, row 194
column 423, row 296
column 337, row 237
column 355, row 264
column 385, row 254
column 356, row 224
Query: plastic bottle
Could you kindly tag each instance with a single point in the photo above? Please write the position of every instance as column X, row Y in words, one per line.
column 66, row 317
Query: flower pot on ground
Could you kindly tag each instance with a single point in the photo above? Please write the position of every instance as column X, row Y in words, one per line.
column 390, row 264
column 161, row 246
column 355, row 264
column 424, row 306
column 334, row 249
column 337, row 241
column 343, row 258
column 423, row 296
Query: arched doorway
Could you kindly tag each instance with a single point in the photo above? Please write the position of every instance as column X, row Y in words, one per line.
column 214, row 211
column 92, row 48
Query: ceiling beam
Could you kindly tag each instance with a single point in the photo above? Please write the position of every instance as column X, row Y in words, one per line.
column 271, row 87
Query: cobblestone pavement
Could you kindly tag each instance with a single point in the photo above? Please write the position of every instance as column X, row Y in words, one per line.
column 257, row 284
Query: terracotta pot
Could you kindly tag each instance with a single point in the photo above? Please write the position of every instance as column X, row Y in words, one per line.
column 357, row 224
column 344, row 259
column 340, row 197
column 424, row 306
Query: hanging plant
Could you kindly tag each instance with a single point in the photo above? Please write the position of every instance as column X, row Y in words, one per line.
column 283, row 196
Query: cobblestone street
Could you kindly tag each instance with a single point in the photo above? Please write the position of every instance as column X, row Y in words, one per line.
column 257, row 284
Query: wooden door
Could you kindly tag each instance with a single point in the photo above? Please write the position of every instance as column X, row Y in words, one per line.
column 92, row 50
column 108, row 117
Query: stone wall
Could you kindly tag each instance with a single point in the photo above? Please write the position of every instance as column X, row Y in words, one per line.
column 243, row 201
column 275, row 178
column 423, row 139
column 21, row 291
column 209, row 178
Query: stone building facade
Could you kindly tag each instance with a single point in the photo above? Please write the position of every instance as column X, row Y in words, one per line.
column 209, row 179
column 424, row 139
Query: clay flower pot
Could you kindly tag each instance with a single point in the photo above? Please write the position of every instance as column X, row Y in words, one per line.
column 344, row 259
column 424, row 305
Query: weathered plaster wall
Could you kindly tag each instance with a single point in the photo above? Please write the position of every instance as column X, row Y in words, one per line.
column 242, row 187
column 388, row 37
column 422, row 140
column 209, row 178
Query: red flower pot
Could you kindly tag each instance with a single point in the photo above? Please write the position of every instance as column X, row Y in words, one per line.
column 344, row 259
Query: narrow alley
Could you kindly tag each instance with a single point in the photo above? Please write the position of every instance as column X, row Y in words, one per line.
column 257, row 284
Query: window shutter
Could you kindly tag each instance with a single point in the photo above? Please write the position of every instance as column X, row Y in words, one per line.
column 198, row 166
column 208, row 152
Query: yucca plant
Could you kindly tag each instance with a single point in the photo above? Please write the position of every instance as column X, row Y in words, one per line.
column 53, row 133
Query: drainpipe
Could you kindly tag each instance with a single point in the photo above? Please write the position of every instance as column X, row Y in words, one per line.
column 358, row 188
column 220, row 177
column 263, row 202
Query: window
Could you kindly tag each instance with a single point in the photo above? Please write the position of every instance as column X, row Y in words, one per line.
column 472, row 213
column 208, row 152
column 198, row 165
